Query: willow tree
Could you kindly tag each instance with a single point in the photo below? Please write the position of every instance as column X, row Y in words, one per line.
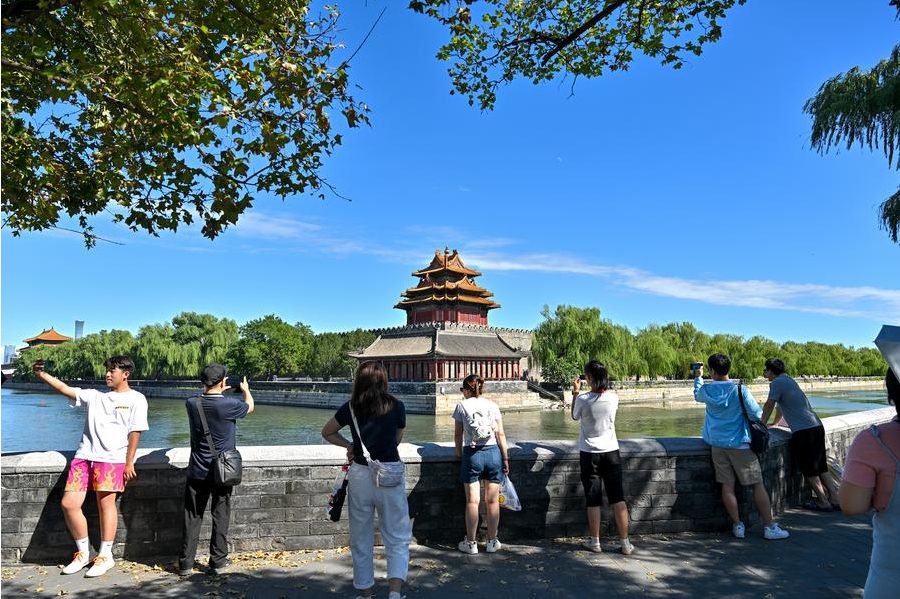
column 159, row 114
column 569, row 337
column 158, row 355
column 204, row 338
column 862, row 108
column 657, row 351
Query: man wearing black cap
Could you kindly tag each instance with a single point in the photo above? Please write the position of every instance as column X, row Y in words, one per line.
column 222, row 412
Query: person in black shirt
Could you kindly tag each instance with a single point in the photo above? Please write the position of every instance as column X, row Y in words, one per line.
column 380, row 419
column 222, row 412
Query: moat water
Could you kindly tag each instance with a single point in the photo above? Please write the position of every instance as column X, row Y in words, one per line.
column 44, row 422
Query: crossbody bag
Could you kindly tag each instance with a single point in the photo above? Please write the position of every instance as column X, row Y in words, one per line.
column 384, row 474
column 759, row 434
column 227, row 465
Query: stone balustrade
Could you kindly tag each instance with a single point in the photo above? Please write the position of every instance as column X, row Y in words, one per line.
column 669, row 488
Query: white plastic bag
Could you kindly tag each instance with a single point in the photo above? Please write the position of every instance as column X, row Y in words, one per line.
column 508, row 496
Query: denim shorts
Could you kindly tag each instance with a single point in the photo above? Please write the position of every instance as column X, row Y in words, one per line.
column 482, row 463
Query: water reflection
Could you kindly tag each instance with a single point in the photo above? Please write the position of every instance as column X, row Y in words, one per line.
column 43, row 422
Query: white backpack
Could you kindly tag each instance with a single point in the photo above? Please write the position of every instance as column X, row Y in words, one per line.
column 480, row 423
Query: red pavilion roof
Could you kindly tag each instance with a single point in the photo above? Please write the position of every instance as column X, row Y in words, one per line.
column 48, row 336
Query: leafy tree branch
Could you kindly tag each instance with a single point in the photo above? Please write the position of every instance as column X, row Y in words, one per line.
column 162, row 114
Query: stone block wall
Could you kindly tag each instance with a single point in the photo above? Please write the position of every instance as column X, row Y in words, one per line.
column 419, row 397
column 669, row 488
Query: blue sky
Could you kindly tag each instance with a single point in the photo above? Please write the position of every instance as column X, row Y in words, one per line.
column 656, row 195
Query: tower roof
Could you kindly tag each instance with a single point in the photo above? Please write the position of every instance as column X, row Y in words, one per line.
column 439, row 341
column 447, row 282
column 48, row 336
column 446, row 263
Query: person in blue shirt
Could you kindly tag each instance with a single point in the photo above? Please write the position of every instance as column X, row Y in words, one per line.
column 725, row 429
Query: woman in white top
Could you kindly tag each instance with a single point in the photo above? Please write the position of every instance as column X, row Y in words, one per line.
column 481, row 444
column 599, row 453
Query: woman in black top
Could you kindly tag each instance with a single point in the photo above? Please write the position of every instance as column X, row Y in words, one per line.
column 380, row 419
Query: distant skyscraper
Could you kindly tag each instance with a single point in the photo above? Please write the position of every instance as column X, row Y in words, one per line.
column 9, row 352
column 79, row 329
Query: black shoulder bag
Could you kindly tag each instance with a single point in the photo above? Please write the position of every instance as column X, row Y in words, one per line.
column 226, row 465
column 759, row 434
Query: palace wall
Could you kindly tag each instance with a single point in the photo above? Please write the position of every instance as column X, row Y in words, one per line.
column 419, row 397
column 669, row 488
column 441, row 397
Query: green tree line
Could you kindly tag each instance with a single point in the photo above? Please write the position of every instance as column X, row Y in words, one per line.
column 563, row 342
column 181, row 348
column 570, row 336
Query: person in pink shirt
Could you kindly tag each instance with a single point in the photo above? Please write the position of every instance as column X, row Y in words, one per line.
column 872, row 480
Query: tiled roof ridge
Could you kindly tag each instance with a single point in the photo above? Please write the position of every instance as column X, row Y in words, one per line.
column 446, row 261
column 447, row 325
column 50, row 334
column 450, row 298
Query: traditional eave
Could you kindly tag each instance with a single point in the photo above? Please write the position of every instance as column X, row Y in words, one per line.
column 428, row 285
column 448, row 299
column 443, row 262
column 431, row 342
column 48, row 336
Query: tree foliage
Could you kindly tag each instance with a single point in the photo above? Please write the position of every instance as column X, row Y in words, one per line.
column 568, row 337
column 270, row 346
column 565, row 341
column 494, row 42
column 330, row 356
column 159, row 356
column 863, row 108
column 163, row 113
column 80, row 358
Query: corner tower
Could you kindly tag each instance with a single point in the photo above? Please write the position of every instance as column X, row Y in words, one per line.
column 447, row 292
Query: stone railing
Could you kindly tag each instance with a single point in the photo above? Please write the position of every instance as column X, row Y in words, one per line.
column 419, row 397
column 669, row 488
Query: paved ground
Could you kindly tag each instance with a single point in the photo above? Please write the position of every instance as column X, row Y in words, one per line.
column 826, row 556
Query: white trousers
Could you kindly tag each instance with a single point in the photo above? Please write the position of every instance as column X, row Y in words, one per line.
column 364, row 499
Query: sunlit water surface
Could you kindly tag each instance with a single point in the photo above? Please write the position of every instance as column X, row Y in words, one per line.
column 45, row 422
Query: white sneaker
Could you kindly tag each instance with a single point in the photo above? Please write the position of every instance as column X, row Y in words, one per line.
column 493, row 545
column 775, row 532
column 467, row 546
column 591, row 545
column 738, row 530
column 79, row 561
column 102, row 565
column 626, row 547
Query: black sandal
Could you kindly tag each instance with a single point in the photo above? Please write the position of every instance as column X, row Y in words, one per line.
column 812, row 505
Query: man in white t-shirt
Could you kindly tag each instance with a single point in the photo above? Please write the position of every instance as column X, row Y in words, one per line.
column 104, row 460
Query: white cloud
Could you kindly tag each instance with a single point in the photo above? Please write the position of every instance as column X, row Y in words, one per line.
column 865, row 302
column 257, row 224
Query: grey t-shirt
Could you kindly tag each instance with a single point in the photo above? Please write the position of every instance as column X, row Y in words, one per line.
column 793, row 403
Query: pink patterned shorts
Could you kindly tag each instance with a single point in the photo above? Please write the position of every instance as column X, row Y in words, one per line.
column 99, row 476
